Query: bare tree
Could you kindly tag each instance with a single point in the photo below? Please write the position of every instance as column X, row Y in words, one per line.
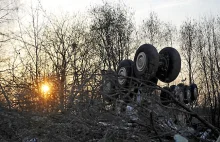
column 169, row 34
column 111, row 30
column 187, row 41
column 151, row 30
column 7, row 10
column 66, row 44
column 206, row 50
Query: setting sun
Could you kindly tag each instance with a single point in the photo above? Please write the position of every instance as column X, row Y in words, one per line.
column 45, row 88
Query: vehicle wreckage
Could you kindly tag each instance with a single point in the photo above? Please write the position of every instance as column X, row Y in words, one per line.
column 135, row 83
column 127, row 83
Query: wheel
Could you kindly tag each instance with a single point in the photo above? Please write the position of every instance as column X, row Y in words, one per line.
column 154, row 81
column 108, row 91
column 173, row 91
column 164, row 96
column 170, row 65
column 187, row 94
column 172, row 88
column 108, row 86
column 146, row 61
column 194, row 92
column 180, row 92
column 125, row 70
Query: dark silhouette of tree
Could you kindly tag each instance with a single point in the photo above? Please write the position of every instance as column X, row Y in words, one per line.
column 111, row 31
column 187, row 45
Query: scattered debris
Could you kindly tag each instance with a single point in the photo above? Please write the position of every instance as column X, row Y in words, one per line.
column 179, row 138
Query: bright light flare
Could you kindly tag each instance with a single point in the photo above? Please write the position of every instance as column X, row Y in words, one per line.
column 45, row 88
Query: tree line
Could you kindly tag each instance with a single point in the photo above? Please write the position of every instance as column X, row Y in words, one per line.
column 69, row 53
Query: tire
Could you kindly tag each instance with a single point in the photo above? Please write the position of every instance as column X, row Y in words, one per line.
column 125, row 69
column 187, row 94
column 180, row 92
column 164, row 96
column 172, row 88
column 146, row 62
column 194, row 92
column 108, row 86
column 173, row 91
column 170, row 65
column 154, row 81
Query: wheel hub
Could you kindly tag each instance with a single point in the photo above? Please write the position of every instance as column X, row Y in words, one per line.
column 122, row 73
column 141, row 61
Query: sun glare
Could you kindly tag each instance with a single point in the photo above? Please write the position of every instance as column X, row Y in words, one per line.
column 45, row 88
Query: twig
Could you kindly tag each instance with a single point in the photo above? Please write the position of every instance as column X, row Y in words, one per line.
column 152, row 123
column 5, row 95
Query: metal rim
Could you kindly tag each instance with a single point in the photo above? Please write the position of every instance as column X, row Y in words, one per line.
column 122, row 73
column 141, row 61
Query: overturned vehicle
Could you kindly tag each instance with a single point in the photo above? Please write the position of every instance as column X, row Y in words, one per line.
column 133, row 89
column 133, row 79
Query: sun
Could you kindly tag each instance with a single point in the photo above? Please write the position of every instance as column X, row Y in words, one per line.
column 45, row 88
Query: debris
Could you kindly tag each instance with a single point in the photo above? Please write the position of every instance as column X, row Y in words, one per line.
column 205, row 134
column 131, row 113
column 33, row 140
column 179, row 138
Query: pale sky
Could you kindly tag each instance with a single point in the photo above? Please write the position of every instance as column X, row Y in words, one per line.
column 174, row 11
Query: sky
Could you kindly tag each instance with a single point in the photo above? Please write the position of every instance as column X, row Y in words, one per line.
column 174, row 11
